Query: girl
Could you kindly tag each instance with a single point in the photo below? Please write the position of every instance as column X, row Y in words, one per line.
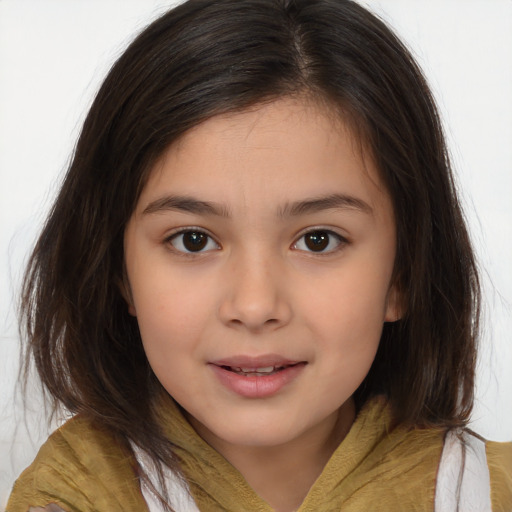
column 255, row 289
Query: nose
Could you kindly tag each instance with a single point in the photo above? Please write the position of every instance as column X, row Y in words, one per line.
column 255, row 295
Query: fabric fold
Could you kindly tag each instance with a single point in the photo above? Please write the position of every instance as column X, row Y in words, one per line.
column 373, row 467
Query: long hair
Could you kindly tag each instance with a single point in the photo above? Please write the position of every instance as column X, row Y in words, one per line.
column 207, row 57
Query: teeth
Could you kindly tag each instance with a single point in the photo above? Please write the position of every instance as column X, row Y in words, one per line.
column 256, row 372
column 266, row 369
column 262, row 371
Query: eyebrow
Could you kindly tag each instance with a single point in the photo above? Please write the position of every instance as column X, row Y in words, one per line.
column 186, row 204
column 195, row 206
column 330, row 202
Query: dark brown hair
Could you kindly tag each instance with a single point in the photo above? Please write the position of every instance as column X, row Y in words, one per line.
column 207, row 57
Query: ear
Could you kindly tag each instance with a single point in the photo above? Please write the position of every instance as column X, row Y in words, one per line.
column 126, row 292
column 395, row 304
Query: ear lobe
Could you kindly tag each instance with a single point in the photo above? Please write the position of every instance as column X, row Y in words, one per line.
column 395, row 305
column 126, row 293
column 131, row 310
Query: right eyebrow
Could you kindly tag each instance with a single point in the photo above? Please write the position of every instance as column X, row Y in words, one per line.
column 186, row 204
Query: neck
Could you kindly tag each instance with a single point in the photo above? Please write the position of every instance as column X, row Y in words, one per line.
column 282, row 475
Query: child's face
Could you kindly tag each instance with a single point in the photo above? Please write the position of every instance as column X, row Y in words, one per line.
column 262, row 239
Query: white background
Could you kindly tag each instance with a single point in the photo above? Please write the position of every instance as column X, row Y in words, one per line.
column 53, row 55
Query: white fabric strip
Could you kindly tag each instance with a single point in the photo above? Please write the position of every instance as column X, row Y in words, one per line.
column 475, row 490
column 181, row 501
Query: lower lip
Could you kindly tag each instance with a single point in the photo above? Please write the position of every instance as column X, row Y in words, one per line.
column 257, row 387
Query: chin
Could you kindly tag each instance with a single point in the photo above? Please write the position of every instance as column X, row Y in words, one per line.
column 258, row 438
column 246, row 430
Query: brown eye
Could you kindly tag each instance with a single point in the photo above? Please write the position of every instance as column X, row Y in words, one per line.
column 319, row 241
column 193, row 241
column 316, row 241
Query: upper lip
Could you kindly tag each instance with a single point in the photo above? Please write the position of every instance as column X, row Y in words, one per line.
column 263, row 361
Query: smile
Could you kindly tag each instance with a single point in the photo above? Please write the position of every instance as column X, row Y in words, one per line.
column 256, row 372
column 253, row 378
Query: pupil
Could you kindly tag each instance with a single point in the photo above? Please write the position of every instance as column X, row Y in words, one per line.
column 194, row 241
column 317, row 241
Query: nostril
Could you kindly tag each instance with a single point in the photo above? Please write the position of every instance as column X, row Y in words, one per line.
column 254, row 310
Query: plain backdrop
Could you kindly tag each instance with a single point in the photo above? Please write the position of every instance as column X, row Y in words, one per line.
column 53, row 55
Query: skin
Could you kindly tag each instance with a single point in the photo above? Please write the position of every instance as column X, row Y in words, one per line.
column 257, row 288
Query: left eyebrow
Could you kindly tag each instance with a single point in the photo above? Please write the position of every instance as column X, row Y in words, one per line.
column 330, row 202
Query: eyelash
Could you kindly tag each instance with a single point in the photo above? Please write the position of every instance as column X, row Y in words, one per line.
column 323, row 235
column 191, row 230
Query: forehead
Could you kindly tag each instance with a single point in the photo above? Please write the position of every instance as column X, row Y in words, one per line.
column 281, row 150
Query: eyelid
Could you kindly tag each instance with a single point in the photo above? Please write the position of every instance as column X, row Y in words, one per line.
column 187, row 229
column 343, row 240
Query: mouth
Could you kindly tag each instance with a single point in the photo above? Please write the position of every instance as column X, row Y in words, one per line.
column 262, row 371
column 257, row 377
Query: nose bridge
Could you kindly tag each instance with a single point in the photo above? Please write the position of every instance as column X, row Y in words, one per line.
column 255, row 294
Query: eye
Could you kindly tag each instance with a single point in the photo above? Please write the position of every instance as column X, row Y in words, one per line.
column 320, row 240
column 192, row 241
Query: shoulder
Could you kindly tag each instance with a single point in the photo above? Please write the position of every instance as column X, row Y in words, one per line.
column 391, row 467
column 81, row 467
column 474, row 474
column 499, row 460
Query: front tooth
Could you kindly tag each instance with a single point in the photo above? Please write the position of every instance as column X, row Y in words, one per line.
column 266, row 369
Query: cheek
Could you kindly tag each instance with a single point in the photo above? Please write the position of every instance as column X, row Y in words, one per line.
column 351, row 300
column 170, row 312
column 347, row 322
column 171, row 330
